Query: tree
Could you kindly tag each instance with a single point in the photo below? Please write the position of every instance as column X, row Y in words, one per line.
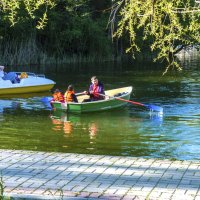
column 58, row 29
column 167, row 26
column 11, row 9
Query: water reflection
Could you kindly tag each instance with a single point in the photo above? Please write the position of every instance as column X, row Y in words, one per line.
column 8, row 104
column 67, row 123
column 100, row 132
column 60, row 122
column 93, row 129
column 30, row 101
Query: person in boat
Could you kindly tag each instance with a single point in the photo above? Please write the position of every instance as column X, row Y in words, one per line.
column 2, row 73
column 95, row 90
column 58, row 96
column 12, row 76
column 70, row 95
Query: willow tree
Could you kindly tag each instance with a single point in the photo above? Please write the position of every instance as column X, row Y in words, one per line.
column 167, row 26
column 11, row 10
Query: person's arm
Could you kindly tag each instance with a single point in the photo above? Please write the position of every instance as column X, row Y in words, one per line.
column 101, row 89
column 74, row 98
column 90, row 89
column 65, row 96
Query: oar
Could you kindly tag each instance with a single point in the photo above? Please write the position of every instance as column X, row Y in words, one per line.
column 80, row 93
column 148, row 106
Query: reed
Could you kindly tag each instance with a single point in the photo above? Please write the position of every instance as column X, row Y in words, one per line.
column 2, row 197
column 26, row 52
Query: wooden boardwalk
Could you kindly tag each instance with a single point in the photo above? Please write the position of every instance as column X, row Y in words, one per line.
column 41, row 175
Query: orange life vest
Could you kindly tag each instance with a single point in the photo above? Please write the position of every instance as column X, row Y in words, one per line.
column 68, row 96
column 58, row 97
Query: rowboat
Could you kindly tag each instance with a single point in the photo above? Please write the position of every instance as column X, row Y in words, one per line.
column 110, row 102
column 24, row 82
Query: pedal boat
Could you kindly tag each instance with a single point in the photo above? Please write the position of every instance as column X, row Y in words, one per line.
column 31, row 83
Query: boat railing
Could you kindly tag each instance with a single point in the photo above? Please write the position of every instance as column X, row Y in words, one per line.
column 40, row 75
column 31, row 74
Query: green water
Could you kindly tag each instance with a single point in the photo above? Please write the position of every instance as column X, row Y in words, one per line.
column 26, row 123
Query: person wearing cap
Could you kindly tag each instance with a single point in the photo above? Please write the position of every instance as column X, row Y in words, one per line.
column 2, row 73
column 70, row 95
column 95, row 90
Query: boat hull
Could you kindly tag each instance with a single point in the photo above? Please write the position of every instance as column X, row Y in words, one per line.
column 94, row 106
column 27, row 89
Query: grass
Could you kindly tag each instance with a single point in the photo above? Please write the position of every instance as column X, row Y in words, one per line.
column 2, row 197
column 1, row 188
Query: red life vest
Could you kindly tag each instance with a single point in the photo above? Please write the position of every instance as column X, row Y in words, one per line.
column 95, row 91
column 58, row 97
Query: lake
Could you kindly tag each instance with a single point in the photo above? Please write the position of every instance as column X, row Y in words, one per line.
column 28, row 124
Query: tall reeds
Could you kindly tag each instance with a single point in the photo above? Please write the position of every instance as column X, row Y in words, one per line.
column 26, row 52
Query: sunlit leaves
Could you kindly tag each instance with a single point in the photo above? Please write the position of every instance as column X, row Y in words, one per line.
column 42, row 22
column 166, row 25
column 11, row 8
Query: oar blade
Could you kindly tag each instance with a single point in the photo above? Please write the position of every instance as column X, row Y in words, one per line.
column 46, row 101
column 154, row 108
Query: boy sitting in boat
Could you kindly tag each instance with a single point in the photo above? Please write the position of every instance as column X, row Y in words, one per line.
column 95, row 90
column 70, row 95
column 58, row 96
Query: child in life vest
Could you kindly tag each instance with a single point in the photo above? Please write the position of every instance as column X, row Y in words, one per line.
column 70, row 95
column 58, row 96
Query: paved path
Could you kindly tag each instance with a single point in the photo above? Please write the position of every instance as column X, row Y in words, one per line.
column 40, row 175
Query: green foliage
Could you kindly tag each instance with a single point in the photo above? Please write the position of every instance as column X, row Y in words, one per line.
column 12, row 10
column 73, row 31
column 77, row 27
column 59, row 28
column 167, row 26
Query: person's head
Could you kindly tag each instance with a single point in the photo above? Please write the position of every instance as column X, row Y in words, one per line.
column 1, row 68
column 56, row 90
column 94, row 80
column 70, row 88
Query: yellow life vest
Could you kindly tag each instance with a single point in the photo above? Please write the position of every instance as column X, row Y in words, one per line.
column 68, row 96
